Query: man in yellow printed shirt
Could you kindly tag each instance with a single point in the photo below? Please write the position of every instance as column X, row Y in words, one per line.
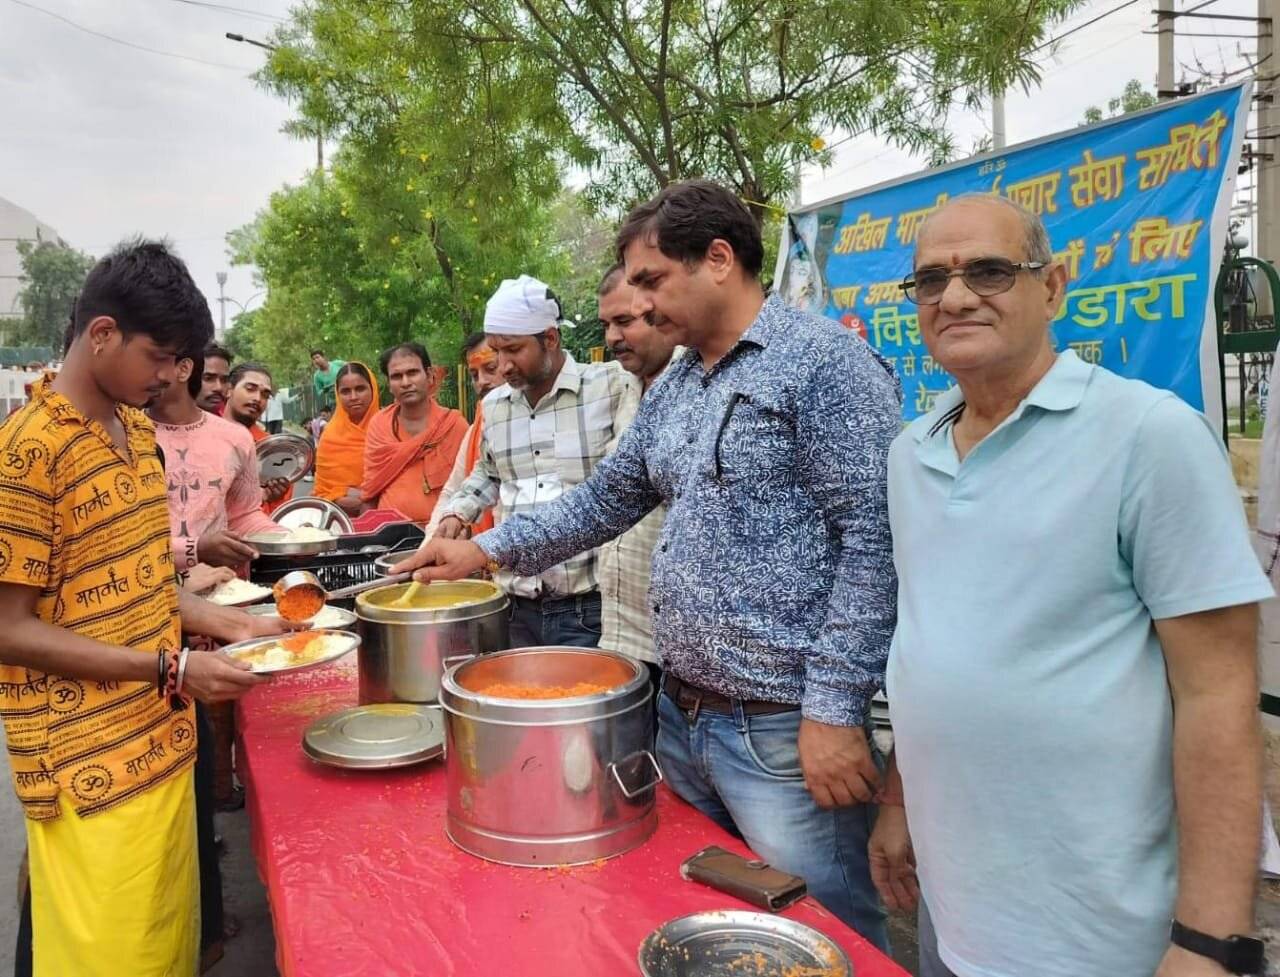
column 101, row 758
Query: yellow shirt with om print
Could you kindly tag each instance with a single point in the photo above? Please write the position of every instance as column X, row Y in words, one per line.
column 88, row 527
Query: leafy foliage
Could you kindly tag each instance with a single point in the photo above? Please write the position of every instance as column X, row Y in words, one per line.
column 460, row 122
column 1134, row 97
column 53, row 275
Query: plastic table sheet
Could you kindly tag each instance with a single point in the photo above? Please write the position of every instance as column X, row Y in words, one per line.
column 363, row 881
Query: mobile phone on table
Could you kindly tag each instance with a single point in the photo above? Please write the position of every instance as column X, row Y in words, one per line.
column 753, row 881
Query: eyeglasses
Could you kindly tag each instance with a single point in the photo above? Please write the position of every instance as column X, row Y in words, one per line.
column 985, row 276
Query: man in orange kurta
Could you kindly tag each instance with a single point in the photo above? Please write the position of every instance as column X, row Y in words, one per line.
column 482, row 364
column 410, row 446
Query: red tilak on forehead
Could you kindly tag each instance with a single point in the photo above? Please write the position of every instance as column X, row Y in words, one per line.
column 479, row 357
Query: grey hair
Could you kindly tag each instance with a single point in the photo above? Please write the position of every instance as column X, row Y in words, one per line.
column 1035, row 238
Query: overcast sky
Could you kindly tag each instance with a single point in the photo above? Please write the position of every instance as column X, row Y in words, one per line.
column 1088, row 67
column 101, row 140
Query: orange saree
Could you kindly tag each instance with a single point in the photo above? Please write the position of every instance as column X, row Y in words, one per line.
column 340, row 453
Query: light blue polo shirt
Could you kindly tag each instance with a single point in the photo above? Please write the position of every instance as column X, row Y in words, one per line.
column 1032, row 718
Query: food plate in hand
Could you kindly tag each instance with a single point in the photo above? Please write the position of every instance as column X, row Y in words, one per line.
column 293, row 652
column 299, row 541
column 238, row 593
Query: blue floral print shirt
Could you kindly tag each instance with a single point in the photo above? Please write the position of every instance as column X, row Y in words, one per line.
column 773, row 577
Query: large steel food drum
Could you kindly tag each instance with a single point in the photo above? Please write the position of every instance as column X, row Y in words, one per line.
column 404, row 649
column 549, row 781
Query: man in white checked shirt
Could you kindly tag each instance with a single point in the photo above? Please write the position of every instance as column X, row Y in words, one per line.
column 545, row 430
column 626, row 563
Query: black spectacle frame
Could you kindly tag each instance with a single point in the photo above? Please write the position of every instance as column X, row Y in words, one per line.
column 983, row 276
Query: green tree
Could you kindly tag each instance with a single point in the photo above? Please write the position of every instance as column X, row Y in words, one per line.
column 349, row 268
column 639, row 93
column 53, row 274
column 1134, row 97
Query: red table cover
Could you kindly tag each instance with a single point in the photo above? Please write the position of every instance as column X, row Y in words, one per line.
column 363, row 881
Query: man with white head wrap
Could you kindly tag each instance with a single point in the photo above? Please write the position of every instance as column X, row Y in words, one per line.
column 545, row 430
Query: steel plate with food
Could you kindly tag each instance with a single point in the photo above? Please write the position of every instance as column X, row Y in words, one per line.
column 293, row 652
column 238, row 593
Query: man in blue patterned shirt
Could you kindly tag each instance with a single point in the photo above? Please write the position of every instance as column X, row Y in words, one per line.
column 773, row 586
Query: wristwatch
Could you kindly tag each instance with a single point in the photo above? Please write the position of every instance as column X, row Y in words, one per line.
column 1236, row 954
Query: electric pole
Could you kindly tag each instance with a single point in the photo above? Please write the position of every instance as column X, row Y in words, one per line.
column 1164, row 37
column 1267, row 175
column 999, row 138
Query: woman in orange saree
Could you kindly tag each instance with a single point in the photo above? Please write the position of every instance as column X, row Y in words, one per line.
column 340, row 453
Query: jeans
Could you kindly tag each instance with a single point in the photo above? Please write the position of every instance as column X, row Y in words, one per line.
column 743, row 772
column 556, row 621
column 931, row 964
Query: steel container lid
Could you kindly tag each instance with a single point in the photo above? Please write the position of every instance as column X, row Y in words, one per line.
column 623, row 682
column 386, row 561
column 376, row 737
column 284, row 456
column 312, row 511
column 458, row 600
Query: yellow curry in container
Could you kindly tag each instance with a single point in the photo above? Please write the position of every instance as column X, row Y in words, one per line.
column 437, row 596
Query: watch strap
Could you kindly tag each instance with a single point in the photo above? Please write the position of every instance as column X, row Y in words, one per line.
column 1237, row 954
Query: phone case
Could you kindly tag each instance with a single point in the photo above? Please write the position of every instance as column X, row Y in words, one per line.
column 753, row 881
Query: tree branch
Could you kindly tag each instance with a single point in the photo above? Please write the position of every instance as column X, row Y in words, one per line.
column 578, row 71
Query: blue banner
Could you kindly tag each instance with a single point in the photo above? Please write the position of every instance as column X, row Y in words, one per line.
column 1135, row 209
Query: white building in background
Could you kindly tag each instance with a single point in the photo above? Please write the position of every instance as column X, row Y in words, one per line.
column 16, row 225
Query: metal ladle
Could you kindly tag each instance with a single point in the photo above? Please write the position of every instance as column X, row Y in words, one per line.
column 308, row 580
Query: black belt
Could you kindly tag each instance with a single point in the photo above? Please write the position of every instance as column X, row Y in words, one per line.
column 693, row 700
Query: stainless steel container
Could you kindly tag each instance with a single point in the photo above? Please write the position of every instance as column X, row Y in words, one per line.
column 404, row 649
column 549, row 781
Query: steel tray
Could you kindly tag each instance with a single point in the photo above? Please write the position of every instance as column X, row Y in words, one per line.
column 279, row 544
column 733, row 943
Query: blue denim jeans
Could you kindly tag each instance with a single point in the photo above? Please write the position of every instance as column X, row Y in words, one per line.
column 555, row 621
column 743, row 772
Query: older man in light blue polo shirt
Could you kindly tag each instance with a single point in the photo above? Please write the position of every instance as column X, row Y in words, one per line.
column 1072, row 678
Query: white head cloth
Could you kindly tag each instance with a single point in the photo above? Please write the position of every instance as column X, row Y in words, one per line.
column 521, row 307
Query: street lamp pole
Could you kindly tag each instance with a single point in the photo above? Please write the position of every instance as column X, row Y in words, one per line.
column 249, row 40
column 242, row 306
column 222, row 304
column 319, row 131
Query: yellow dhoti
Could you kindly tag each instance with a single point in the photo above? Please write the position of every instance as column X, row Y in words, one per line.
column 118, row 894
